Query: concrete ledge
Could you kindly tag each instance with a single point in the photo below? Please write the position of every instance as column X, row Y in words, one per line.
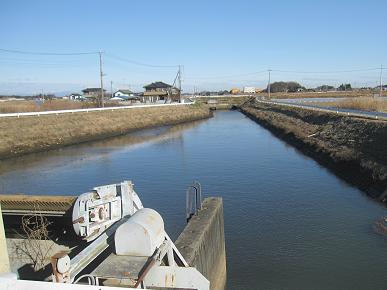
column 202, row 242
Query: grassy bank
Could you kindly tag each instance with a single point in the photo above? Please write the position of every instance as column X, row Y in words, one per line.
column 33, row 134
column 48, row 105
column 353, row 148
column 366, row 104
column 333, row 94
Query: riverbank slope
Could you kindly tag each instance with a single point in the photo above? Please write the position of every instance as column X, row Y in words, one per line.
column 355, row 149
column 40, row 133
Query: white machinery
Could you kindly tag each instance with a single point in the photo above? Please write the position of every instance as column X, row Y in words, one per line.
column 140, row 254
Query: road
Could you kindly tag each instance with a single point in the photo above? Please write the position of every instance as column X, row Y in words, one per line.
column 305, row 103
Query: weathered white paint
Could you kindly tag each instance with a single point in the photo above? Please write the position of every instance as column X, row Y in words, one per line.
column 141, row 234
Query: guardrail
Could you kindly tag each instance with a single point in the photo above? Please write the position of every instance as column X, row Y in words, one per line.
column 222, row 96
column 365, row 115
column 88, row 110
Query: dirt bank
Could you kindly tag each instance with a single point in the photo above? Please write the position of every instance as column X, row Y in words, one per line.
column 355, row 149
column 40, row 133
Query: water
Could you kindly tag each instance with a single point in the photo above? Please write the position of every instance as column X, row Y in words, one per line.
column 289, row 223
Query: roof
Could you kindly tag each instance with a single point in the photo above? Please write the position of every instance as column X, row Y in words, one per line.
column 90, row 90
column 75, row 94
column 157, row 85
column 125, row 91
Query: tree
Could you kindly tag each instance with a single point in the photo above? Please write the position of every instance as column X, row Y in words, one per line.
column 294, row 87
column 325, row 88
column 345, row 87
column 285, row 87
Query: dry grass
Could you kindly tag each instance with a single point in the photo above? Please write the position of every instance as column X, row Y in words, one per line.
column 40, row 133
column 49, row 105
column 365, row 104
column 338, row 94
column 354, row 148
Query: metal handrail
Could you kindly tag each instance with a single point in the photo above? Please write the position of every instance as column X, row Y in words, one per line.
column 194, row 199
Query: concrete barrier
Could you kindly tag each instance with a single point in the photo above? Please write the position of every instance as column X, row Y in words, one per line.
column 4, row 265
column 202, row 242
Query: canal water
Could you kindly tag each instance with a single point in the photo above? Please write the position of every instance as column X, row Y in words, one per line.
column 289, row 223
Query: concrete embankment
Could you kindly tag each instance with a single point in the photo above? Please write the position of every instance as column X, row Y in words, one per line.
column 40, row 133
column 202, row 243
column 353, row 148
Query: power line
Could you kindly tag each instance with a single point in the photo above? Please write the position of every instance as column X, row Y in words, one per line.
column 326, row 72
column 46, row 53
column 289, row 71
column 229, row 76
column 139, row 63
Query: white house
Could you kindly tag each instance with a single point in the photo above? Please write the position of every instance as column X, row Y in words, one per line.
column 74, row 97
column 249, row 90
column 123, row 93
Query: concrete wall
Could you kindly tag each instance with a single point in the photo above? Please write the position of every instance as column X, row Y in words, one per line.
column 202, row 242
column 4, row 264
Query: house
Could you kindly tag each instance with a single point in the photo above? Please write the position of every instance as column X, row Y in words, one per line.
column 74, row 97
column 160, row 91
column 125, row 98
column 249, row 90
column 120, row 99
column 123, row 93
column 92, row 92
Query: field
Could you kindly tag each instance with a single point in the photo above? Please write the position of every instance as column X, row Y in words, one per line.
column 366, row 104
column 333, row 94
column 48, row 105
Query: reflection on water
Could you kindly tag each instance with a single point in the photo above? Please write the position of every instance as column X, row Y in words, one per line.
column 289, row 223
column 97, row 149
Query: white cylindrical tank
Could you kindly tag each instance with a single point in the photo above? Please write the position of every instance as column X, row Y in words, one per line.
column 141, row 234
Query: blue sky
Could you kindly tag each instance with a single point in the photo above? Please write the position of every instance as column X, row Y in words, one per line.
column 220, row 43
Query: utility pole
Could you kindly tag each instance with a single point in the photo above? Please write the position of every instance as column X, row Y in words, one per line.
column 268, row 86
column 101, row 78
column 111, row 88
column 179, row 79
column 380, row 82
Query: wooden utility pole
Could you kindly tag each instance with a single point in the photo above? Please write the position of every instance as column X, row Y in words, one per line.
column 268, row 86
column 179, row 79
column 101, row 78
column 111, row 88
column 380, row 81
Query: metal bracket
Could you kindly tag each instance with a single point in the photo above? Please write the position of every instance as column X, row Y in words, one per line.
column 97, row 210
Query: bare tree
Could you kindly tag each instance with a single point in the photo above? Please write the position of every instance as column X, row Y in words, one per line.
column 36, row 243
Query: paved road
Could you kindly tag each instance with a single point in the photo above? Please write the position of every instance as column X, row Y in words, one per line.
column 349, row 112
